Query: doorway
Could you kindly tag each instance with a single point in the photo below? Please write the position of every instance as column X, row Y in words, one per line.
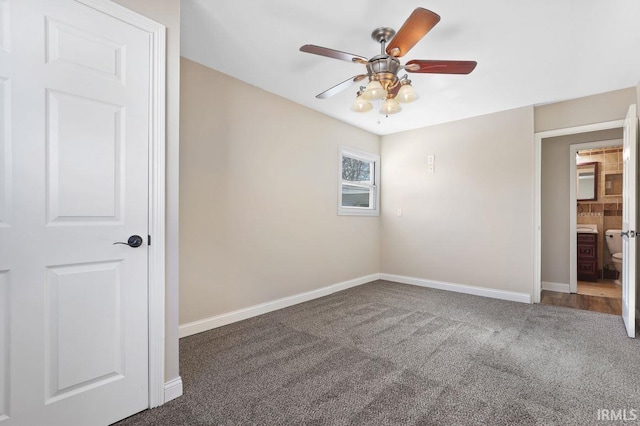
column 596, row 176
column 629, row 215
column 629, row 210
column 595, row 212
column 558, row 231
column 576, row 265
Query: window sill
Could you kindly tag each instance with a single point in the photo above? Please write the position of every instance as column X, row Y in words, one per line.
column 357, row 212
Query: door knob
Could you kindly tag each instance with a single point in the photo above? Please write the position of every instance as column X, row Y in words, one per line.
column 628, row 234
column 133, row 241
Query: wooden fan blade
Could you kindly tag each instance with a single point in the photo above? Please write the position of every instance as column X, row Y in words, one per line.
column 332, row 53
column 440, row 67
column 340, row 87
column 414, row 28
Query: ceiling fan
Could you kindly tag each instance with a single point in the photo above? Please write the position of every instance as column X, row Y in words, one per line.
column 382, row 69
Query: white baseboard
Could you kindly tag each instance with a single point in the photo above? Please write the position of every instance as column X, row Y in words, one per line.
column 252, row 311
column 172, row 389
column 560, row 287
column 460, row 288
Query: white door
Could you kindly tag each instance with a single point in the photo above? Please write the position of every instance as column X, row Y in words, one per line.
column 74, row 134
column 629, row 228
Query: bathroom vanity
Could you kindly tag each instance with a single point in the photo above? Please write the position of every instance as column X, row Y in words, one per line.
column 587, row 256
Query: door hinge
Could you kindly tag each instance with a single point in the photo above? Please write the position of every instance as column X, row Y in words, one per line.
column 148, row 240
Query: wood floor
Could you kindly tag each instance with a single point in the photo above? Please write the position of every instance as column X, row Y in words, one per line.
column 603, row 288
column 608, row 305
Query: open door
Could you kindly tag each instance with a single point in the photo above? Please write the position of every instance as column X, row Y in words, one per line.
column 74, row 303
column 629, row 237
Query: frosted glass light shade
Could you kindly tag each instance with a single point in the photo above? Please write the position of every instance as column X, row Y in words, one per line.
column 407, row 94
column 374, row 91
column 390, row 106
column 361, row 105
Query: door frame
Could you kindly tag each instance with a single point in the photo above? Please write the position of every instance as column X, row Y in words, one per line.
column 157, row 138
column 537, row 182
column 573, row 210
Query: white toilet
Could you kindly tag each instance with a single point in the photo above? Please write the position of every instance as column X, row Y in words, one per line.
column 614, row 243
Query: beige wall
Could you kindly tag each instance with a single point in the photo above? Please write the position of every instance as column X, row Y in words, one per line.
column 555, row 201
column 167, row 12
column 258, row 194
column 599, row 108
column 470, row 222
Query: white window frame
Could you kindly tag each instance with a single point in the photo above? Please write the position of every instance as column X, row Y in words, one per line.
column 374, row 208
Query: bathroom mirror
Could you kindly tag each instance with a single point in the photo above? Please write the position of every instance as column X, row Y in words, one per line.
column 587, row 181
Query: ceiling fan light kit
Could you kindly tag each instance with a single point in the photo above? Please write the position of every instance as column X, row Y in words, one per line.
column 361, row 104
column 407, row 93
column 390, row 106
column 382, row 69
column 374, row 91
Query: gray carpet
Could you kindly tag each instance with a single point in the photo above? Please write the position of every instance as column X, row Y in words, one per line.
column 393, row 354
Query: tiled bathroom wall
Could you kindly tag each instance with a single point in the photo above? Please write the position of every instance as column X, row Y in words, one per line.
column 606, row 211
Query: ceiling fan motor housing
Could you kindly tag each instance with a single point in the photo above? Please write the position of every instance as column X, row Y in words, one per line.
column 384, row 68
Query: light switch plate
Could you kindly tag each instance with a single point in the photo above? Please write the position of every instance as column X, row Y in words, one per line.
column 431, row 163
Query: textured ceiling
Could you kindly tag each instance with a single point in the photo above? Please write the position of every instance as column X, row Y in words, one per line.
column 528, row 52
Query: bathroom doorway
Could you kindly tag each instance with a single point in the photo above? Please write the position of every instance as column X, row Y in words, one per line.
column 596, row 176
column 557, row 218
column 629, row 265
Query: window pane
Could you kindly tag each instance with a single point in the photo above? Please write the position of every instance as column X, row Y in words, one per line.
column 356, row 170
column 355, row 196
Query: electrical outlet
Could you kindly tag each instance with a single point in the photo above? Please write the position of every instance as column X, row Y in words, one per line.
column 399, row 212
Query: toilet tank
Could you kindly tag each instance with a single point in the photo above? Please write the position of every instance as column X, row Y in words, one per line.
column 614, row 240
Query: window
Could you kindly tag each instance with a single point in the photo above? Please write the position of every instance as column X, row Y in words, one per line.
column 358, row 183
